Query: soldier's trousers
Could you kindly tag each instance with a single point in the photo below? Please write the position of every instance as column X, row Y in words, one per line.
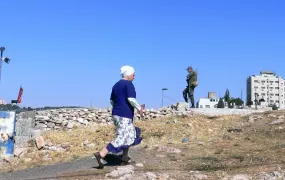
column 189, row 92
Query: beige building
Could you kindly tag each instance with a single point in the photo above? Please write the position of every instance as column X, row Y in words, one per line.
column 269, row 88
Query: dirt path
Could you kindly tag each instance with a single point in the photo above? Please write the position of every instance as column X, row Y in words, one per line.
column 86, row 168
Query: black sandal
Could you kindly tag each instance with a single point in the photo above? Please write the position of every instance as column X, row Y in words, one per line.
column 126, row 161
column 98, row 157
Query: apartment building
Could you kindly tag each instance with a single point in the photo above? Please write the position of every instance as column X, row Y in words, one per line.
column 269, row 88
column 3, row 102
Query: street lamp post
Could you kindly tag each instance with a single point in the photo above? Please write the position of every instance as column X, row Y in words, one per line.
column 5, row 59
column 256, row 100
column 162, row 95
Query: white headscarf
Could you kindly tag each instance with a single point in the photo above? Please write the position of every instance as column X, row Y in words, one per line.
column 127, row 70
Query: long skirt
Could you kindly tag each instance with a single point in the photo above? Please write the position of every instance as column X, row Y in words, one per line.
column 126, row 135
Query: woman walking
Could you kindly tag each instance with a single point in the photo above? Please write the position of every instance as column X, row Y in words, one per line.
column 123, row 101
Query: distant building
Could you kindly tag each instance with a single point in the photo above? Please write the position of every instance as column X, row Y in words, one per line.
column 210, row 102
column 212, row 95
column 3, row 102
column 268, row 87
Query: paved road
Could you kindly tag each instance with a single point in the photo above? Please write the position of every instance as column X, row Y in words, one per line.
column 81, row 167
column 50, row 172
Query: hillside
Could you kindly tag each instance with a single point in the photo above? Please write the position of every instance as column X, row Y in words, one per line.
column 191, row 146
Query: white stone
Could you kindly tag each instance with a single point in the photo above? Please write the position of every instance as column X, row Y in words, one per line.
column 150, row 176
column 19, row 152
column 240, row 177
column 139, row 164
column 36, row 133
column 40, row 142
column 120, row 171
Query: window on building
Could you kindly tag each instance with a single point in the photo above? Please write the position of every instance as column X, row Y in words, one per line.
column 255, row 87
column 276, row 87
column 262, row 87
column 271, row 101
column 277, row 81
column 277, row 101
column 263, row 81
column 256, row 81
column 207, row 106
column 276, row 94
column 271, row 81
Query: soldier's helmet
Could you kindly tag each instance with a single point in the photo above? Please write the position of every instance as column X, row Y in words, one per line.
column 189, row 67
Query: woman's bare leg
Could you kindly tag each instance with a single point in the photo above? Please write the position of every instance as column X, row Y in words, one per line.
column 103, row 152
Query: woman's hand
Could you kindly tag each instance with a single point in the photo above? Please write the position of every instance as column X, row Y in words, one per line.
column 142, row 110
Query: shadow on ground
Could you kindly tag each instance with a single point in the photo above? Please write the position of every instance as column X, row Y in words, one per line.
column 111, row 160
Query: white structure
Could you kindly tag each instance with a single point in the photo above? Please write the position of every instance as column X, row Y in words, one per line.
column 208, row 103
column 268, row 87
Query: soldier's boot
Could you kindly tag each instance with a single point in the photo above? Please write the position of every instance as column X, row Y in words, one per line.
column 185, row 96
column 192, row 101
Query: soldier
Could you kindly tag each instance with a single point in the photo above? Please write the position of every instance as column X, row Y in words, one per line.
column 191, row 84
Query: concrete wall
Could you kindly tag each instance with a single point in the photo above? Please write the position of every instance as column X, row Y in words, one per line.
column 25, row 124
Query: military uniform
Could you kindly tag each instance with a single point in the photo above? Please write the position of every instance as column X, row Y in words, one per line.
column 191, row 80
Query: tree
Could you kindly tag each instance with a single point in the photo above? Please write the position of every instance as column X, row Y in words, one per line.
column 274, row 107
column 221, row 103
column 227, row 96
column 249, row 103
column 237, row 101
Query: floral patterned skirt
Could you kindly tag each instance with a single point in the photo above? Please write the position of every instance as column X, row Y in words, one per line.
column 126, row 135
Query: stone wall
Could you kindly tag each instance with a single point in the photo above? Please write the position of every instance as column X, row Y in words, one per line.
column 58, row 119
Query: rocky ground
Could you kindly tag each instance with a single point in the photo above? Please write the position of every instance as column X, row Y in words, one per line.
column 248, row 146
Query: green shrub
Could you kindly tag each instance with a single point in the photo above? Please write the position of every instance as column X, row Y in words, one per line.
column 274, row 107
column 221, row 104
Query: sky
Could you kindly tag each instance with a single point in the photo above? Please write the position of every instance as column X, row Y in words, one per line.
column 69, row 53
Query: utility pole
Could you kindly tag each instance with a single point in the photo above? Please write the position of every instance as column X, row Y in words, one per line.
column 162, row 95
column 241, row 95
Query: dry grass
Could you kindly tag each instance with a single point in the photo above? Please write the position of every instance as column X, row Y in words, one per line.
column 211, row 148
column 155, row 132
